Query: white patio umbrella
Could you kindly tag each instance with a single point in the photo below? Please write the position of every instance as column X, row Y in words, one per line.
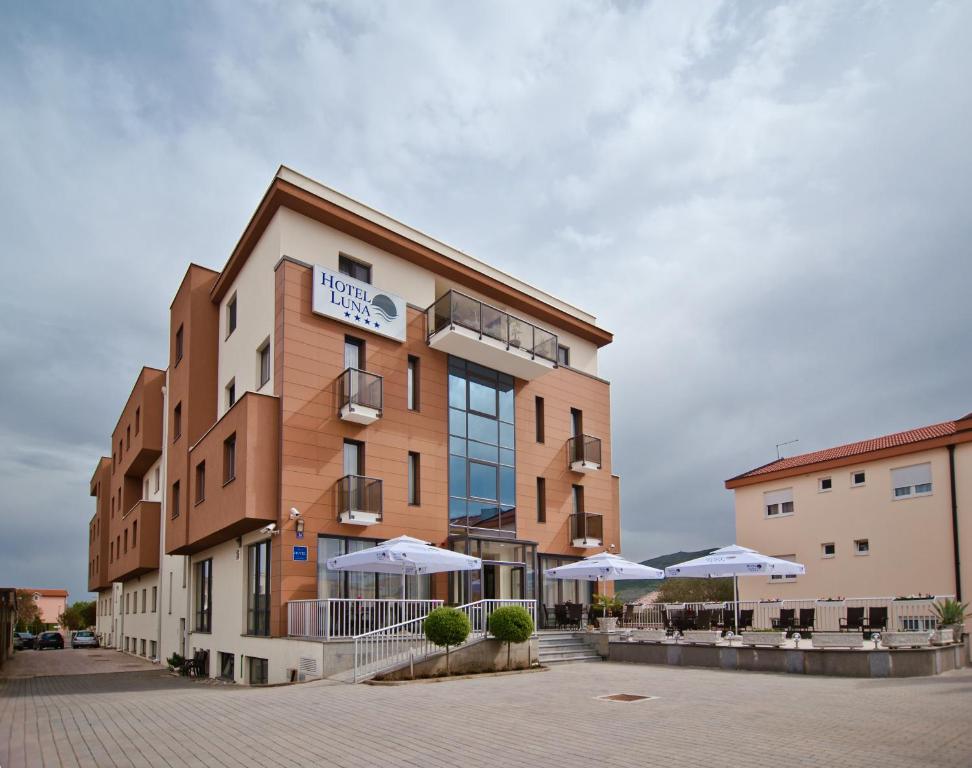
column 734, row 561
column 405, row 556
column 604, row 567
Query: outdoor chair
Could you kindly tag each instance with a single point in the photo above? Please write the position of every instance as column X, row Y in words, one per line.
column 807, row 615
column 785, row 620
column 560, row 615
column 853, row 621
column 575, row 613
column 197, row 665
column 746, row 619
column 877, row 619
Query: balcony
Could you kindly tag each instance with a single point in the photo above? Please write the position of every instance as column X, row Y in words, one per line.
column 586, row 530
column 139, row 528
column 360, row 396
column 466, row 327
column 240, row 494
column 584, row 453
column 358, row 500
column 139, row 430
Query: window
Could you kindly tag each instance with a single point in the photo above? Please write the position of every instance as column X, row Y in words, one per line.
column 142, row 647
column 828, row 550
column 177, row 422
column 351, row 584
column 155, row 599
column 824, row 484
column 413, row 479
column 178, row 345
column 144, row 600
column 158, row 476
column 912, row 481
column 154, row 648
column 204, row 596
column 482, row 460
column 258, row 589
column 858, row 479
column 780, row 577
column 861, row 546
column 352, row 268
column 175, row 499
column 538, row 403
column 128, row 437
column 541, row 500
column 134, row 533
column 576, row 422
column 170, row 593
column 125, row 539
column 258, row 671
column 231, row 316
column 200, row 481
column 112, row 462
column 127, row 596
column 777, row 503
column 229, row 458
column 226, row 661
column 563, row 355
column 413, row 383
column 577, row 495
column 230, row 394
column 138, row 419
column 145, row 489
column 263, row 359
column 111, row 552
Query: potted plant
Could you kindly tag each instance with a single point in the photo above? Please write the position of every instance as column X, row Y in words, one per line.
column 952, row 615
column 447, row 627
column 607, row 609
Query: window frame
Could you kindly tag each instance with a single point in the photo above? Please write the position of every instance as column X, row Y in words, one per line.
column 203, row 596
column 820, row 482
column 180, row 345
column 175, row 511
column 232, row 319
column 540, row 418
column 541, row 500
column 177, row 421
column 824, row 554
column 413, row 389
column 229, row 459
column 414, row 479
column 200, row 495
column 857, row 547
column 230, row 392
column 853, row 478
column 263, row 353
column 563, row 356
column 348, row 264
column 258, row 555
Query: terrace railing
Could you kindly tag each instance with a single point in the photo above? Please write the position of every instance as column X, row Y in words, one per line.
column 342, row 619
column 584, row 448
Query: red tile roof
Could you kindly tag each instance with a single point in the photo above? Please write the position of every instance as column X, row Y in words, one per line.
column 919, row 435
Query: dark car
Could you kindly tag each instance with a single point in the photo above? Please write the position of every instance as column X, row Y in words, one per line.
column 23, row 641
column 49, row 640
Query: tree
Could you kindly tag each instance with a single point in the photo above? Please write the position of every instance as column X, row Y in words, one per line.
column 28, row 612
column 695, row 591
column 447, row 627
column 78, row 616
column 511, row 624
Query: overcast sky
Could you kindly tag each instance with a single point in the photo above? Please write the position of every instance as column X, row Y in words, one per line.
column 769, row 205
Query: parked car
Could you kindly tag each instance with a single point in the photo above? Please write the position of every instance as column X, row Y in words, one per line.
column 23, row 641
column 49, row 640
column 84, row 638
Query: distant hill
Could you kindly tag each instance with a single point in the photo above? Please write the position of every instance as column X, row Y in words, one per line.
column 632, row 590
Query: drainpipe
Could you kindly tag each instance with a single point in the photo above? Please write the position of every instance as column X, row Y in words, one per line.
column 955, row 536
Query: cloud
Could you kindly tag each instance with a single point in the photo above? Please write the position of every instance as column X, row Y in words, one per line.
column 768, row 205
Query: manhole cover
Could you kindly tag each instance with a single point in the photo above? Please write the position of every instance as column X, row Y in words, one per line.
column 625, row 697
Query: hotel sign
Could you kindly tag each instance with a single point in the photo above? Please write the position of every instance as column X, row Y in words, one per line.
column 359, row 304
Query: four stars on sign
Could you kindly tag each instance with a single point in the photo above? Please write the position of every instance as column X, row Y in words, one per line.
column 357, row 319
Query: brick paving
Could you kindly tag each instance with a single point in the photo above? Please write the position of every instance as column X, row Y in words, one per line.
column 701, row 717
column 69, row 661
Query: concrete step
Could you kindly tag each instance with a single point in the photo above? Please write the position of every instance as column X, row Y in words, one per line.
column 563, row 646
column 563, row 658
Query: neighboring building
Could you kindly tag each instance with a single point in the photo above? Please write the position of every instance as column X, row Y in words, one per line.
column 51, row 603
column 890, row 516
column 374, row 381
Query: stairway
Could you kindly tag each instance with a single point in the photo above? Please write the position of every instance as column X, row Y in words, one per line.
column 561, row 647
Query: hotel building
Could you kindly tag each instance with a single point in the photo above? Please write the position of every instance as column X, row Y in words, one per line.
column 887, row 517
column 343, row 380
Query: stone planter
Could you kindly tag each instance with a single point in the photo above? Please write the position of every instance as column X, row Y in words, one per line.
column 904, row 639
column 837, row 640
column 943, row 636
column 774, row 639
column 607, row 623
column 700, row 636
column 957, row 631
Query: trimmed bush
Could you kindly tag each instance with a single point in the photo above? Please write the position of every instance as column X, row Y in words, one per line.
column 447, row 627
column 511, row 624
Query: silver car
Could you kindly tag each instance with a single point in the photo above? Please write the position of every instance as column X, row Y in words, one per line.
column 84, row 638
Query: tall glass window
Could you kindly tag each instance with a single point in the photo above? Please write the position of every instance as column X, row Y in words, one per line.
column 482, row 448
column 352, row 584
column 258, row 592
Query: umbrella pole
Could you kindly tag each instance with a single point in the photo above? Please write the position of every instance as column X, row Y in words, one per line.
column 403, row 582
column 735, row 599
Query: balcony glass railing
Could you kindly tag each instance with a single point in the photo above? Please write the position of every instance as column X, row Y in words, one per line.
column 359, row 494
column 360, row 388
column 584, row 448
column 457, row 309
column 586, row 525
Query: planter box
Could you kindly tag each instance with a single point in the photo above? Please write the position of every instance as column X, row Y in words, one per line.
column 649, row 635
column 607, row 623
column 904, row 639
column 942, row 636
column 774, row 639
column 706, row 637
column 837, row 640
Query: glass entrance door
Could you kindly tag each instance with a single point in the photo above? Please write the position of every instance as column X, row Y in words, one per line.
column 503, row 581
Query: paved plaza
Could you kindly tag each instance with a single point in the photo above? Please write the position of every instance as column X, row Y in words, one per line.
column 700, row 717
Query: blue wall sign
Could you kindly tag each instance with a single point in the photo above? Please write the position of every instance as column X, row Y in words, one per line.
column 300, row 553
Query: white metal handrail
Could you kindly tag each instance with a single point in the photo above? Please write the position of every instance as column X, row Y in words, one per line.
column 338, row 618
column 903, row 613
column 387, row 647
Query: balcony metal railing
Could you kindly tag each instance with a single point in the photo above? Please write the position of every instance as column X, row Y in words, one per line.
column 454, row 308
column 360, row 388
column 356, row 493
column 340, row 618
column 584, row 448
column 586, row 525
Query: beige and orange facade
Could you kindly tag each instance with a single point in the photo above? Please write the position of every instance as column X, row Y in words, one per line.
column 886, row 517
column 343, row 380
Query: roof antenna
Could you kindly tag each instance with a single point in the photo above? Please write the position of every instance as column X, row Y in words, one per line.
column 780, row 445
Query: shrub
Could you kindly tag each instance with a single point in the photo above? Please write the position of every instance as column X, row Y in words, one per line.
column 447, row 627
column 950, row 611
column 511, row 624
column 175, row 661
